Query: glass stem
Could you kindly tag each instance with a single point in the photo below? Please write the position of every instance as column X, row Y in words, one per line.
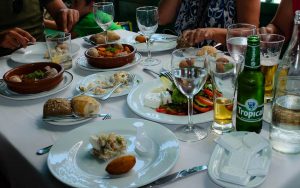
column 148, row 47
column 190, row 113
column 105, row 36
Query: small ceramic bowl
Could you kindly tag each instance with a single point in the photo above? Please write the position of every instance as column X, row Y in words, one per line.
column 33, row 86
column 111, row 62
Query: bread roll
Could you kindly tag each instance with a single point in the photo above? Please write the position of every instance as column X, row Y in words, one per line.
column 112, row 36
column 209, row 50
column 85, row 105
column 57, row 106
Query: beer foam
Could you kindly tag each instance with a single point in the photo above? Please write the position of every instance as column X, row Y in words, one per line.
column 269, row 62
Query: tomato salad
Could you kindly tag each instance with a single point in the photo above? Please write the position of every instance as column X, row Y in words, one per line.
column 203, row 101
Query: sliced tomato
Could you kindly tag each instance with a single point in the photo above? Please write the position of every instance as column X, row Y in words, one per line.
column 208, row 92
column 218, row 93
column 204, row 100
column 161, row 110
column 202, row 109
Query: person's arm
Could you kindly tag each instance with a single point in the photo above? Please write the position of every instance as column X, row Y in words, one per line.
column 15, row 38
column 65, row 18
column 248, row 11
column 283, row 21
column 167, row 11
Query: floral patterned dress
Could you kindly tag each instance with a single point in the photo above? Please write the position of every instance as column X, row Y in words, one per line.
column 204, row 14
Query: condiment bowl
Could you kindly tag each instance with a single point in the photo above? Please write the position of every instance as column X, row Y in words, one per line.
column 31, row 86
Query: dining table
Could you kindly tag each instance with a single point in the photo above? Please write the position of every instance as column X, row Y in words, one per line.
column 23, row 132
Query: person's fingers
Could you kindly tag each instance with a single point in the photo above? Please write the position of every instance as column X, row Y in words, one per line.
column 262, row 30
column 64, row 21
column 70, row 21
column 19, row 38
column 25, row 34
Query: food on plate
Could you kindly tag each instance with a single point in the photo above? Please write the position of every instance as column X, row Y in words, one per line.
column 103, row 85
column 84, row 105
column 107, row 146
column 57, row 106
column 170, row 100
column 46, row 72
column 111, row 50
column 186, row 63
column 121, row 165
column 183, row 43
column 221, row 63
column 99, row 38
column 141, row 38
column 207, row 50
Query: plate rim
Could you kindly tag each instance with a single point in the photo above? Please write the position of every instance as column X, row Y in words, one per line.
column 166, row 118
column 19, row 53
column 92, row 124
column 66, row 76
column 137, row 78
column 228, row 184
column 137, row 60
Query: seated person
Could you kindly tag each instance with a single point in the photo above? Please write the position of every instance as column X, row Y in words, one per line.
column 22, row 22
column 206, row 21
column 87, row 24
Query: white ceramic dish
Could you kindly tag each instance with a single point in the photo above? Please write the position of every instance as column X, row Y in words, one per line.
column 36, row 53
column 157, row 46
column 66, row 122
column 71, row 161
column 102, row 77
column 83, row 64
column 220, row 156
column 135, row 101
column 6, row 93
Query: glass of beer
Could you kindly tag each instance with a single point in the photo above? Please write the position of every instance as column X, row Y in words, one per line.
column 224, row 71
column 270, row 48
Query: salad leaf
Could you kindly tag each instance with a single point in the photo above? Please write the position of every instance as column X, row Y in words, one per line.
column 178, row 97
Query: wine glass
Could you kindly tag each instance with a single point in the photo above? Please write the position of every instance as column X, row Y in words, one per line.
column 147, row 21
column 189, row 73
column 236, row 38
column 104, row 15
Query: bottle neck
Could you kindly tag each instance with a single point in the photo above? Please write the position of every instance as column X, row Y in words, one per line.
column 252, row 60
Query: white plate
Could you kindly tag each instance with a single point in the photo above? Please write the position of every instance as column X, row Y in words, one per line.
column 220, row 156
column 158, row 46
column 267, row 117
column 135, row 101
column 35, row 53
column 66, row 122
column 83, row 64
column 71, row 161
column 67, row 80
column 104, row 76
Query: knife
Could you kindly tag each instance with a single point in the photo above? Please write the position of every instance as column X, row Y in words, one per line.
column 175, row 176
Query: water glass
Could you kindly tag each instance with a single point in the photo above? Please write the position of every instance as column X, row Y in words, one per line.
column 270, row 49
column 59, row 49
column 147, row 21
column 224, row 71
column 236, row 38
column 285, row 124
column 189, row 73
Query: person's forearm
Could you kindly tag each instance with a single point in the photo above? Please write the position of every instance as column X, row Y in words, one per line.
column 218, row 35
column 167, row 11
column 51, row 24
column 248, row 11
column 53, row 7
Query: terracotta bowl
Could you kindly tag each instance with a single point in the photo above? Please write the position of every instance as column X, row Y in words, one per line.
column 111, row 62
column 30, row 87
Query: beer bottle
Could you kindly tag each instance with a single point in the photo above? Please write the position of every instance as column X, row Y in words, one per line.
column 250, row 90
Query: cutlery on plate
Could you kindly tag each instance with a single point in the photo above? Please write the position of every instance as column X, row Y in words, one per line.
column 89, row 41
column 164, row 73
column 175, row 176
column 73, row 117
column 46, row 149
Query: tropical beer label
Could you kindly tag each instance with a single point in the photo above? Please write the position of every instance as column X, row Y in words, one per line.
column 251, row 111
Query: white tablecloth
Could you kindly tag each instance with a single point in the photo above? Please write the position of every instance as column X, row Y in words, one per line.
column 22, row 132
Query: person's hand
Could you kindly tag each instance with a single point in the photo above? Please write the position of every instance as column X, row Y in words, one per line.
column 15, row 38
column 265, row 30
column 66, row 19
column 197, row 35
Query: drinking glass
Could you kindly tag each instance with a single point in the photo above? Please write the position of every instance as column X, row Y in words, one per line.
column 270, row 48
column 59, row 49
column 189, row 74
column 147, row 21
column 224, row 71
column 104, row 15
column 236, row 38
column 285, row 124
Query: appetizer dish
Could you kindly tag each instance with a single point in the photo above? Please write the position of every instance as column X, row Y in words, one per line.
column 111, row 50
column 99, row 38
column 121, row 165
column 107, row 146
column 34, row 78
column 141, row 38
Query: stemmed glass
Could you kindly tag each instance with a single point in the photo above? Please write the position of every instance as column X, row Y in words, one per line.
column 104, row 15
column 236, row 38
column 189, row 73
column 147, row 21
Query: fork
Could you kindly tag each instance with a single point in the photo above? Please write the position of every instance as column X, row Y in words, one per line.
column 46, row 149
column 73, row 117
column 164, row 73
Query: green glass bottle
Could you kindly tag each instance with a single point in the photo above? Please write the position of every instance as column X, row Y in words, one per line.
column 250, row 90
